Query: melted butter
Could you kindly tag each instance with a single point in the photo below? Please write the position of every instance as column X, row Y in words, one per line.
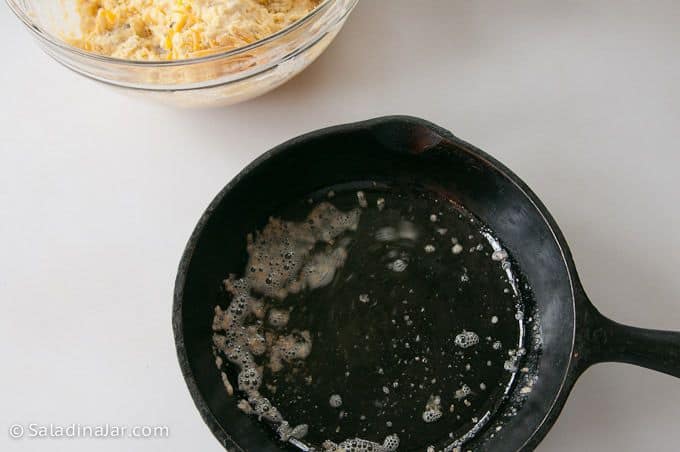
column 285, row 257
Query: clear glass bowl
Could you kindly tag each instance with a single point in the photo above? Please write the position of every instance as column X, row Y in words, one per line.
column 218, row 79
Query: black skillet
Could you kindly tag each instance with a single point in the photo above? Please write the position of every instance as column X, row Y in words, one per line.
column 405, row 149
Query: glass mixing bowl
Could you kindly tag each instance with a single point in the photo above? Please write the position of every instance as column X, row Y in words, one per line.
column 218, row 79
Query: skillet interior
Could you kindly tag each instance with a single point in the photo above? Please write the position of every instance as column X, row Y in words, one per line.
column 397, row 149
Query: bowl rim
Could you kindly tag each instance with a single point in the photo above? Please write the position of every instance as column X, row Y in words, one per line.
column 52, row 40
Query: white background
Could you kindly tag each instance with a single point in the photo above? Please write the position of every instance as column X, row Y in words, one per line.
column 99, row 193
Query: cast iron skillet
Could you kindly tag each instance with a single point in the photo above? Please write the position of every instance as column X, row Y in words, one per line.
column 404, row 149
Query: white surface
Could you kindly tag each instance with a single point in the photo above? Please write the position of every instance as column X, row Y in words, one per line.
column 99, row 193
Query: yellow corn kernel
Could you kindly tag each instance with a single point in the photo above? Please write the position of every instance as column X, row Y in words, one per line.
column 91, row 9
column 148, row 19
column 138, row 26
column 100, row 22
column 110, row 17
column 168, row 39
column 179, row 25
column 197, row 40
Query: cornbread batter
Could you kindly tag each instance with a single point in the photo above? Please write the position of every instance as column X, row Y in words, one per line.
column 178, row 29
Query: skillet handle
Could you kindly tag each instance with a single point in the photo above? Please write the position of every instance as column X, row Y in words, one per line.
column 609, row 341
